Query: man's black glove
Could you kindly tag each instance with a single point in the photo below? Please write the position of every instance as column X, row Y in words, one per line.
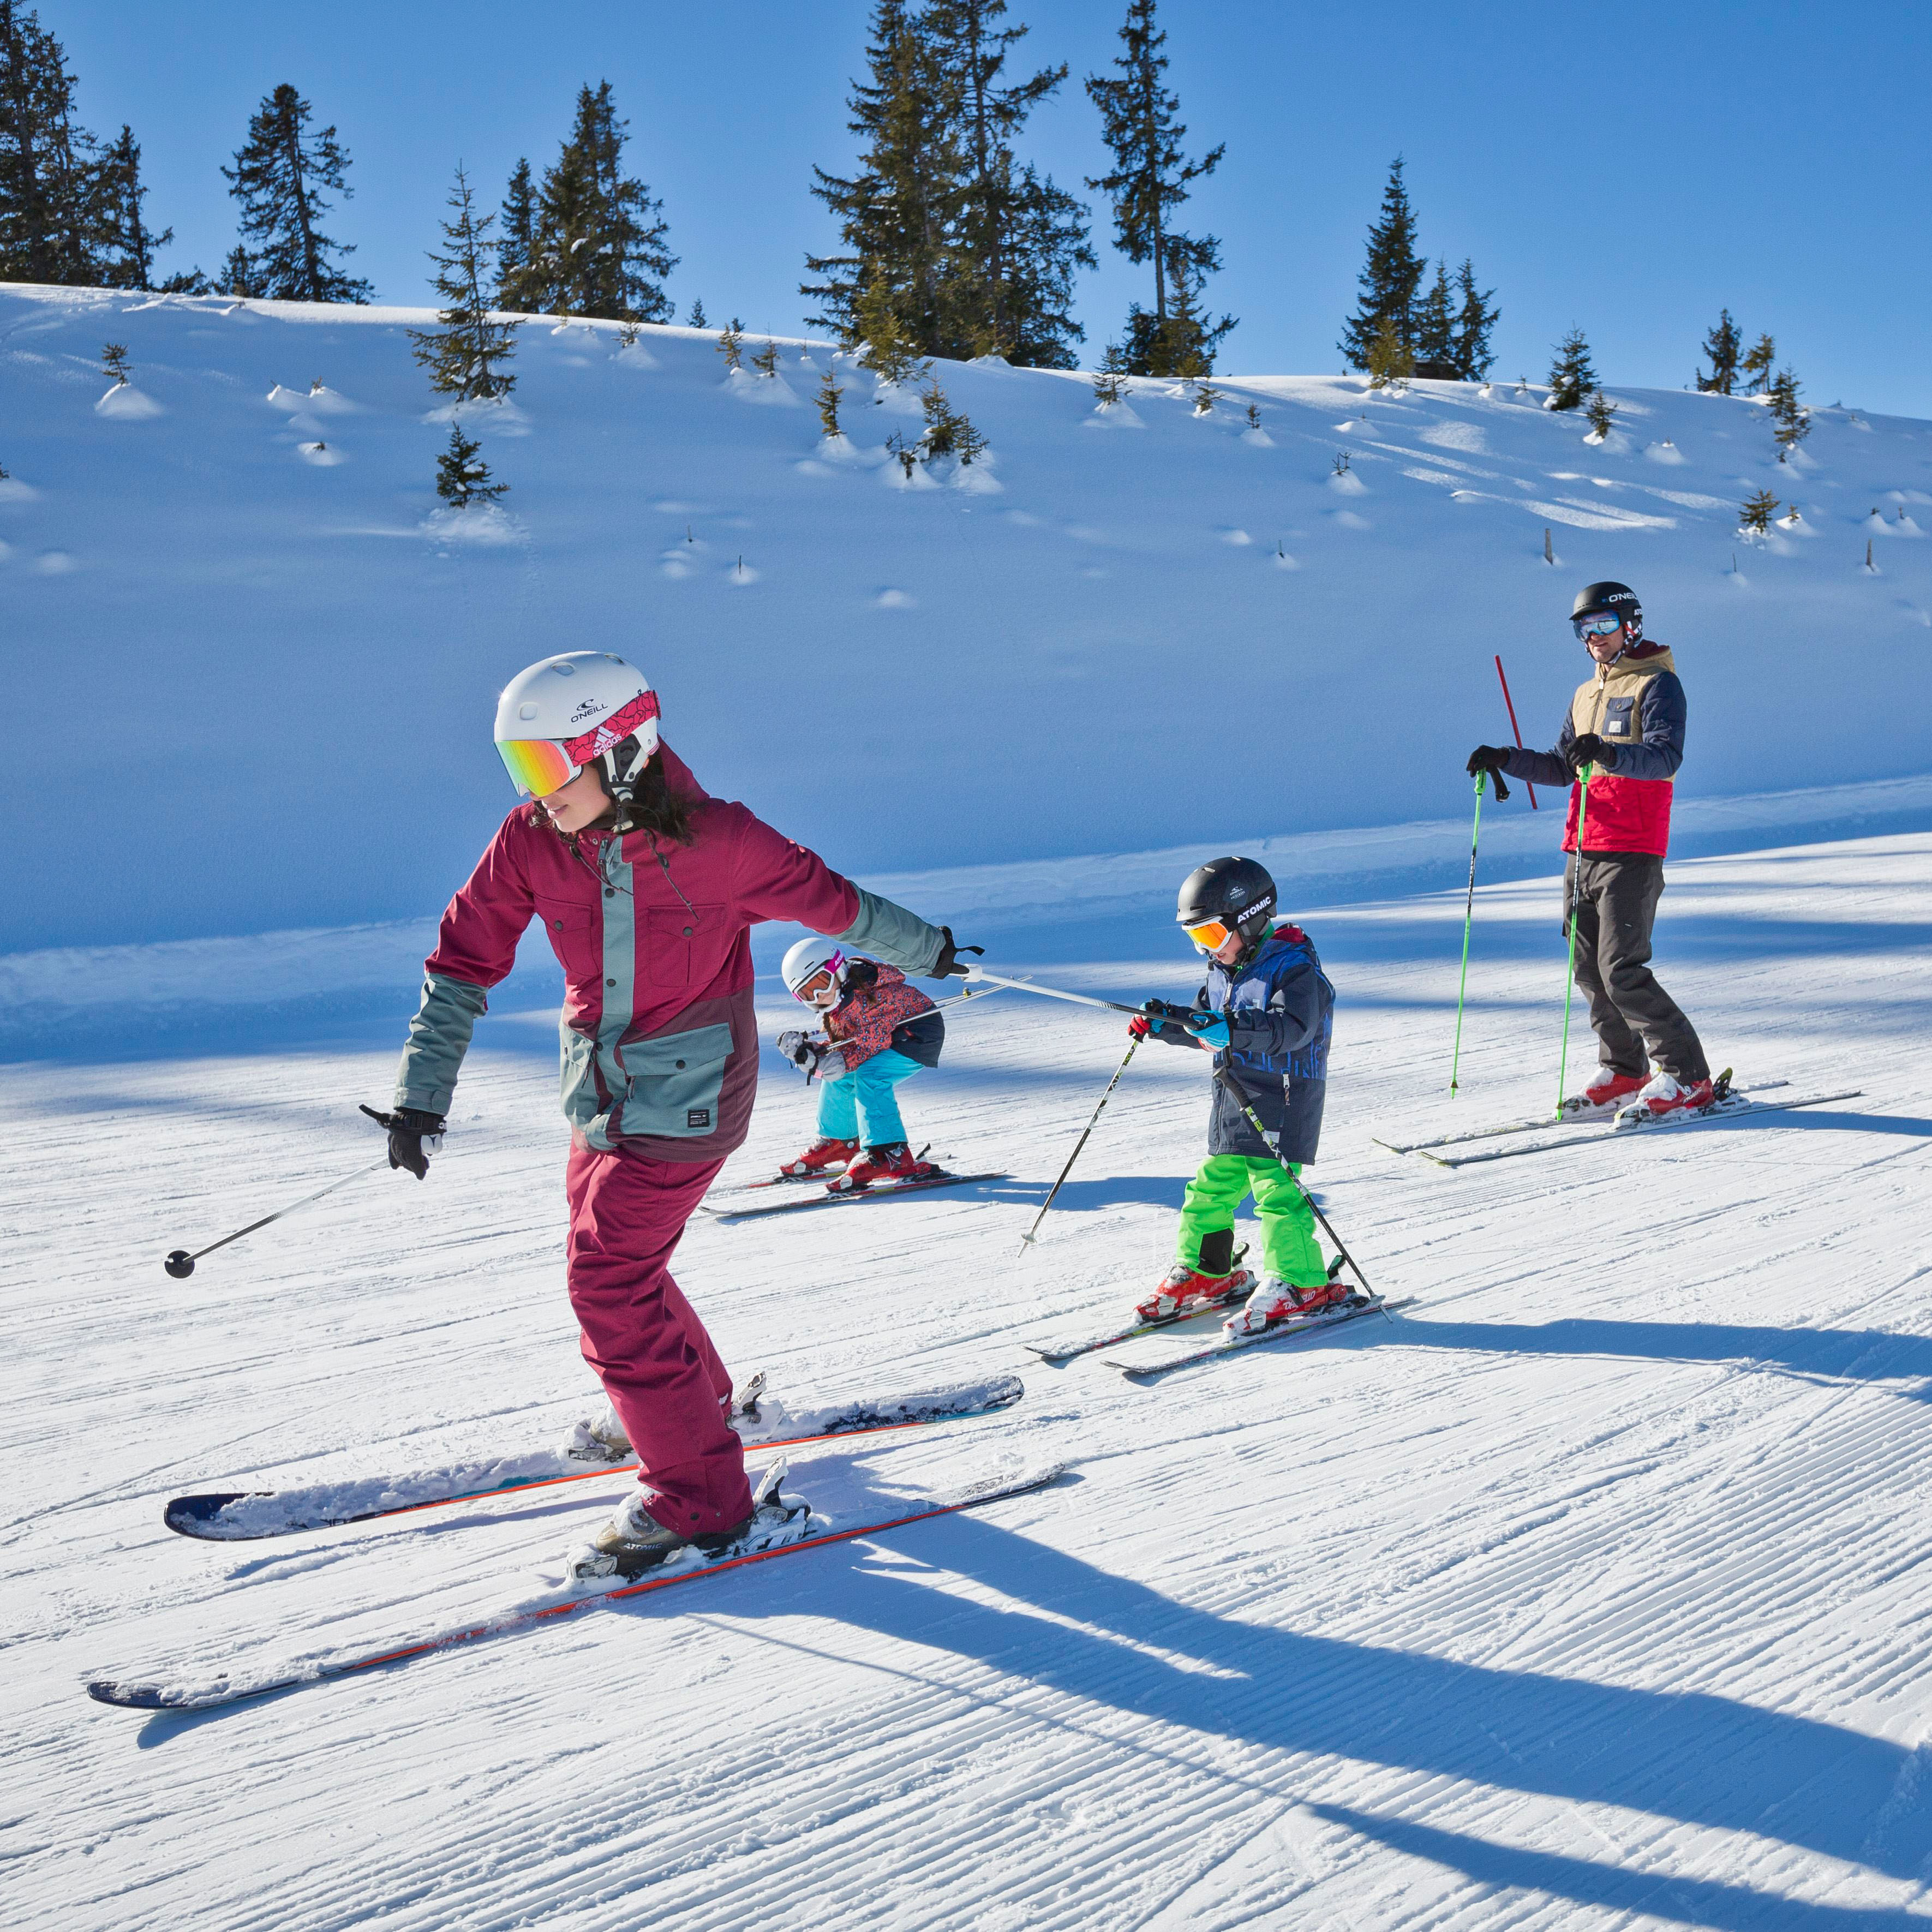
column 1486, row 758
column 1590, row 749
column 949, row 965
column 408, row 1129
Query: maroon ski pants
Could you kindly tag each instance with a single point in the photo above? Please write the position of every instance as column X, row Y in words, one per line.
column 657, row 1364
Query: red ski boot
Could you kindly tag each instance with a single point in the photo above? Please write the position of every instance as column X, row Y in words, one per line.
column 823, row 1153
column 1274, row 1302
column 895, row 1163
column 1187, row 1291
column 1608, row 1089
column 1663, row 1094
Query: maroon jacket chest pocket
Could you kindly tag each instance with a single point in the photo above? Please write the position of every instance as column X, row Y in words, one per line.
column 683, row 946
column 572, row 930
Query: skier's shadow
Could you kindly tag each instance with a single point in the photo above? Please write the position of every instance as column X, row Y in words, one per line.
column 1101, row 1640
column 1085, row 1197
column 1819, row 1354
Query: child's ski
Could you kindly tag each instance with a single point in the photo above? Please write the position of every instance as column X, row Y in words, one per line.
column 234, row 1516
column 879, row 1191
column 1633, row 1120
column 1067, row 1350
column 162, row 1695
column 1282, row 1331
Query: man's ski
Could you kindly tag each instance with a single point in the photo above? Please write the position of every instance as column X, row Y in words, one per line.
column 880, row 1191
column 1582, row 1116
column 1282, row 1331
column 1633, row 1120
column 236, row 1515
column 152, row 1695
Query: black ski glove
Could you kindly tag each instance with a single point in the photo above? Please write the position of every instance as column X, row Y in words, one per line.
column 1158, row 1020
column 949, row 965
column 1591, row 750
column 1486, row 758
column 414, row 1135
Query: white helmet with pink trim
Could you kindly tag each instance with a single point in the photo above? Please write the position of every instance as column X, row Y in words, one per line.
column 565, row 712
column 804, row 962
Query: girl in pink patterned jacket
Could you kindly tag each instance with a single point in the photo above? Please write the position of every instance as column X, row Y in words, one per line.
column 877, row 1031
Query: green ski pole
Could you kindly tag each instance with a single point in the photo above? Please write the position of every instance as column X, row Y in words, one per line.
column 1469, row 912
column 1569, row 983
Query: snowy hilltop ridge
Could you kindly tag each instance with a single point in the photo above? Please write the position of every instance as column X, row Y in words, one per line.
column 1121, row 628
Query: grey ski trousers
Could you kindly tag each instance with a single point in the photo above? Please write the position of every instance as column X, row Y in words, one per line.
column 1611, row 898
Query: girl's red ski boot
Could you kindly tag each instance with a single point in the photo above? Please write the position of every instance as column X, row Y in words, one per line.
column 895, row 1163
column 823, row 1154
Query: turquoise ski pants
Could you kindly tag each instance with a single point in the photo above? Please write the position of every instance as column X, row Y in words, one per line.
column 861, row 1106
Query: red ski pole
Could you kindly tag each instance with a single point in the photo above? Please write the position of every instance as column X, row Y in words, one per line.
column 1516, row 727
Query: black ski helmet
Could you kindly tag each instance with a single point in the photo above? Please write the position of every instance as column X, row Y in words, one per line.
column 1240, row 893
column 1612, row 599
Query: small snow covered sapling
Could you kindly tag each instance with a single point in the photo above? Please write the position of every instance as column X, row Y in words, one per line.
column 696, row 319
column 1254, row 416
column 829, row 390
column 1760, row 506
column 948, row 431
column 627, row 336
column 1341, row 463
column 731, row 343
column 1791, row 419
column 462, row 476
column 1601, row 412
column 1571, row 376
column 114, row 360
column 1109, row 386
column 767, row 361
column 1757, row 365
column 1205, row 397
column 906, row 458
column 1389, row 358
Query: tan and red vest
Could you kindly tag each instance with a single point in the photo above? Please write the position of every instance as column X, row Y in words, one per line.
column 1625, row 814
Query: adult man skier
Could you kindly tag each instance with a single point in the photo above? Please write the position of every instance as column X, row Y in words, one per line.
column 1622, row 742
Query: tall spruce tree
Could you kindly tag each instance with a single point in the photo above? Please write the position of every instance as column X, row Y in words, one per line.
column 597, row 238
column 518, row 235
column 1149, row 182
column 1756, row 364
column 1018, row 238
column 1724, row 346
column 898, row 215
column 1571, row 376
column 279, row 174
column 1389, row 278
column 125, row 245
column 465, row 356
column 1475, row 319
column 50, row 189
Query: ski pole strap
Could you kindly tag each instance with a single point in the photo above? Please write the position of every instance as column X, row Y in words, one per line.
column 1272, row 1142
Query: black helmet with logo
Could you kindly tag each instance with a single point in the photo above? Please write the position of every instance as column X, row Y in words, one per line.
column 1238, row 892
column 1610, row 599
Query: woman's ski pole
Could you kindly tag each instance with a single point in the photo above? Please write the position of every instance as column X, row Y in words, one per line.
column 181, row 1263
column 1239, row 1095
column 1468, row 914
column 1026, row 1239
column 1569, row 983
column 1049, row 992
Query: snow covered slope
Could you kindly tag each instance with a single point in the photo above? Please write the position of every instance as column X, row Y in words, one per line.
column 233, row 610
column 1586, row 1596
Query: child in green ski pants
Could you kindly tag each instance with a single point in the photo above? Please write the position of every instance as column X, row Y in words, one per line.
column 1265, row 1013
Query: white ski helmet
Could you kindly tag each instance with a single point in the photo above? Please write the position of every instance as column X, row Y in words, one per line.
column 809, row 958
column 563, row 712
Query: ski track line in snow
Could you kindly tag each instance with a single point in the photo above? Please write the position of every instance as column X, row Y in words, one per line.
column 1587, row 1593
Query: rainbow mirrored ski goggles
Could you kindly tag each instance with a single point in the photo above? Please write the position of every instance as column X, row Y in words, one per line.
column 541, row 766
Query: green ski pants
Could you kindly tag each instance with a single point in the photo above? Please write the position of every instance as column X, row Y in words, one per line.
column 1287, row 1224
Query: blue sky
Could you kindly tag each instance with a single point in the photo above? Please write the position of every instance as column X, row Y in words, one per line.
column 1625, row 169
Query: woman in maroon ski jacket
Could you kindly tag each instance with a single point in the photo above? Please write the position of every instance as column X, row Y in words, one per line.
column 646, row 888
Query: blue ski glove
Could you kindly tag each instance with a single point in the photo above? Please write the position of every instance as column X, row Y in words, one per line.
column 1158, row 1020
column 1209, row 1028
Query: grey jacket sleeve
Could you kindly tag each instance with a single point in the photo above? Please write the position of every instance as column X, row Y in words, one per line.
column 1661, row 719
column 1543, row 768
column 439, row 1038
column 889, row 932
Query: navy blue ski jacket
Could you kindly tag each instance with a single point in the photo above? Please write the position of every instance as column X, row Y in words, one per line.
column 1280, row 1012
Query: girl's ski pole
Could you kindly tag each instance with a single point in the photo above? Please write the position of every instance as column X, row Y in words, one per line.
column 1026, row 1239
column 1569, row 984
column 1239, row 1095
column 1468, row 914
column 1517, row 729
column 181, row 1263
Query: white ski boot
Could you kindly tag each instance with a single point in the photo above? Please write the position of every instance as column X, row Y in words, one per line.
column 1274, row 1302
column 634, row 1542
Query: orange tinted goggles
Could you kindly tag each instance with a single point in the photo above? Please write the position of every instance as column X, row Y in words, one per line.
column 1211, row 937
